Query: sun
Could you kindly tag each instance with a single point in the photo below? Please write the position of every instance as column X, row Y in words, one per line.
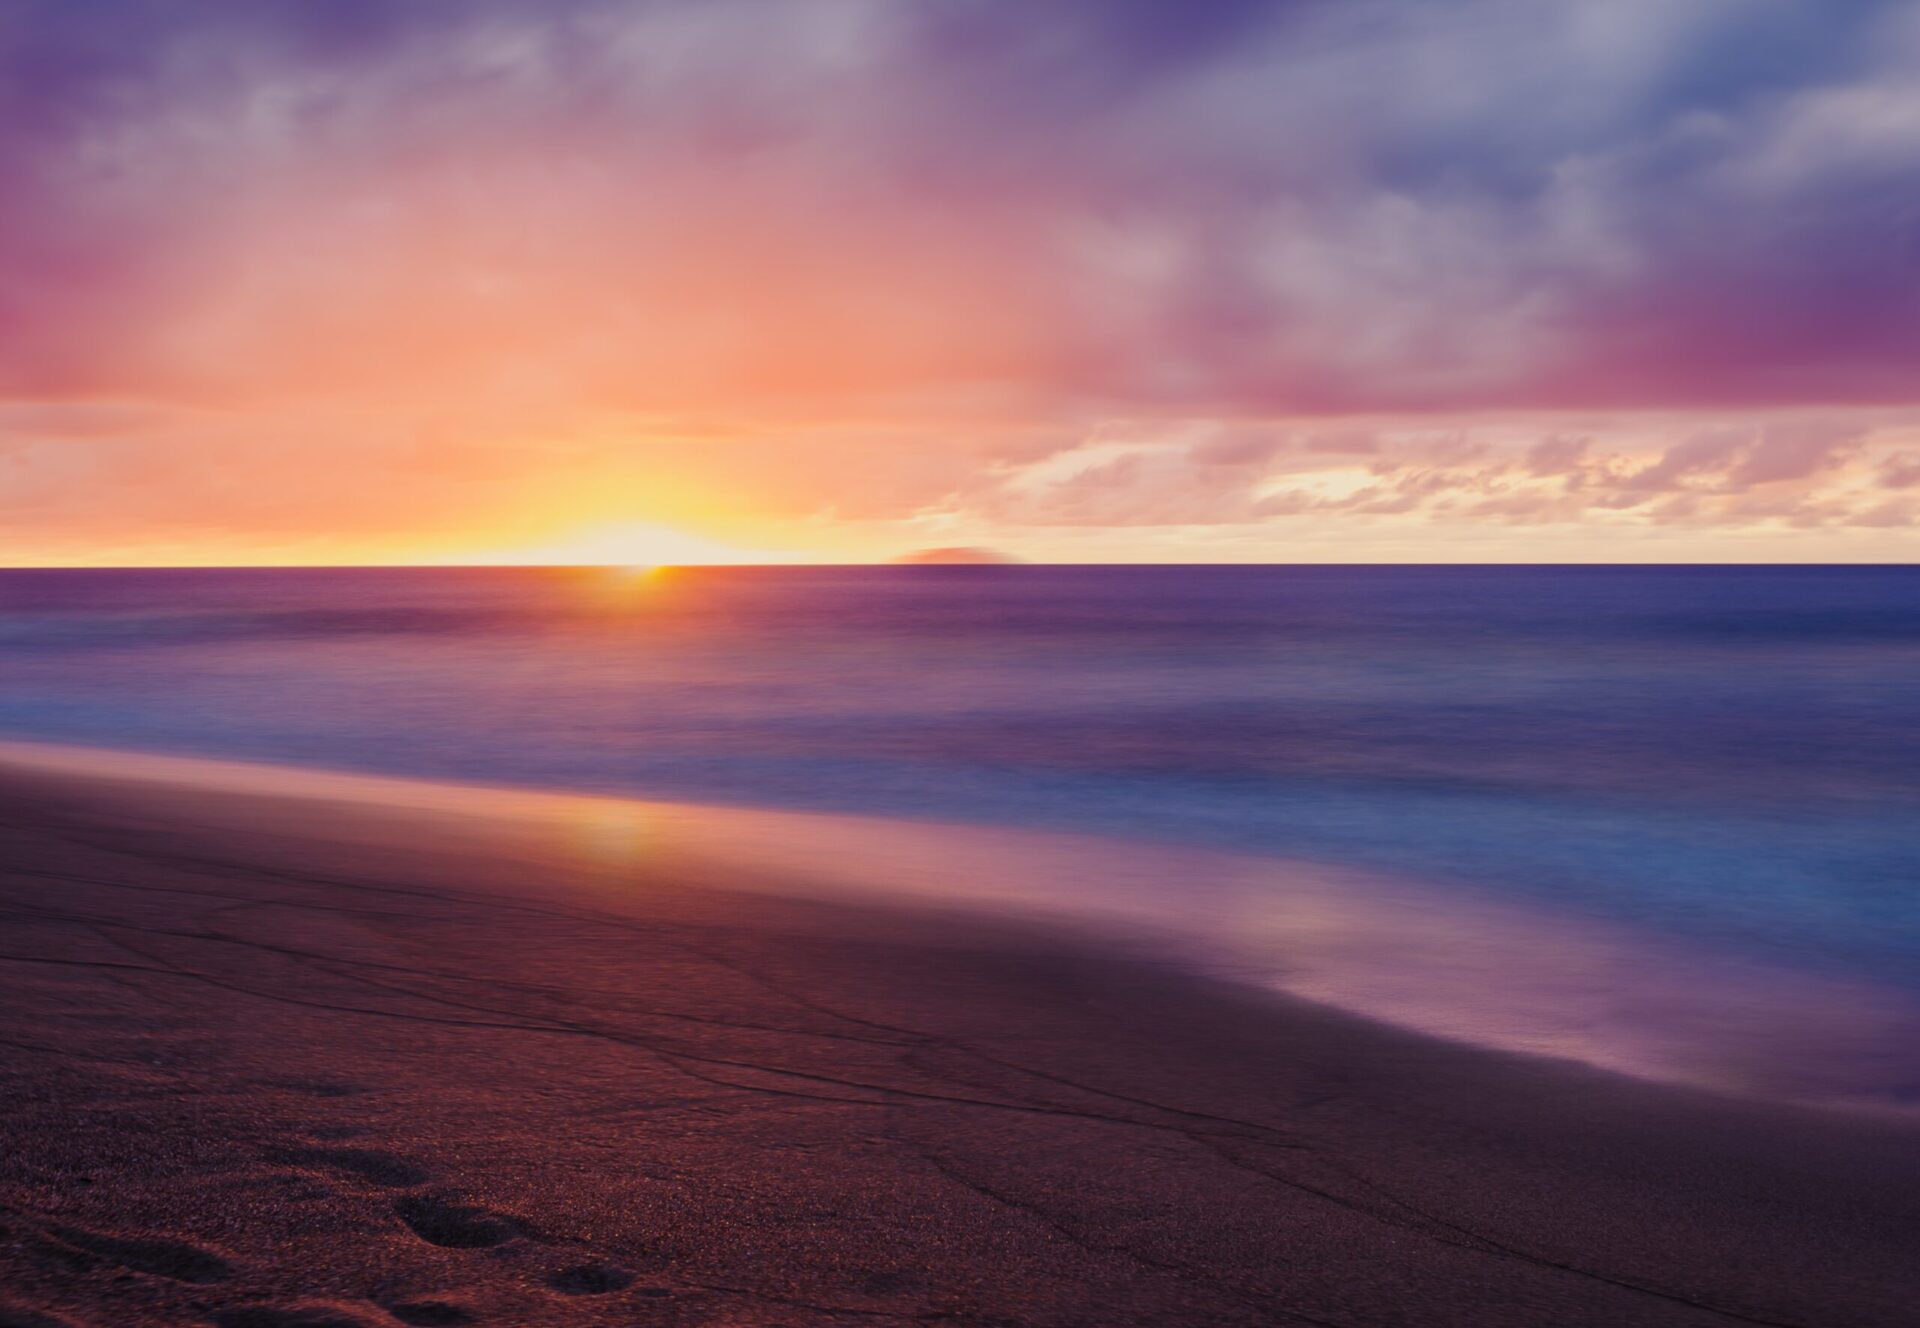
column 637, row 548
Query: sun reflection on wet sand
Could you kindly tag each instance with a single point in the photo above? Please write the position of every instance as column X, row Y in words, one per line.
column 1452, row 963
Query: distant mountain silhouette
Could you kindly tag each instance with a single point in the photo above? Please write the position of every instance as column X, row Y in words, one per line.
column 957, row 557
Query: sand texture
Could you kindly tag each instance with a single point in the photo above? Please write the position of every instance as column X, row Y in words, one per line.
column 274, row 1063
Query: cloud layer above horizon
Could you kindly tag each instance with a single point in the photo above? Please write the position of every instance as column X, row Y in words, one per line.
column 1089, row 275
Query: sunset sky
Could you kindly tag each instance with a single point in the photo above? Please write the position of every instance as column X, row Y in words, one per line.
column 825, row 280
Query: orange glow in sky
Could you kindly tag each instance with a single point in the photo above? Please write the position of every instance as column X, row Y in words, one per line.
column 720, row 282
column 634, row 544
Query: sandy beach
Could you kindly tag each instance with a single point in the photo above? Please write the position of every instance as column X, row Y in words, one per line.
column 288, row 1060
column 959, row 663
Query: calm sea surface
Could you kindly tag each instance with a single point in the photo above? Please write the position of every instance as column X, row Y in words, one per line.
column 1728, row 756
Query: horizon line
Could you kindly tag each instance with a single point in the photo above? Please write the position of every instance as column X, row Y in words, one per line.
column 906, row 566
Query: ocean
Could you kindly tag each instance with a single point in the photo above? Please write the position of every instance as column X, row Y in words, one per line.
column 1723, row 758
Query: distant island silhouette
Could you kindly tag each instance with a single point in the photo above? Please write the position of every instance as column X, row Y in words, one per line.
column 959, row 556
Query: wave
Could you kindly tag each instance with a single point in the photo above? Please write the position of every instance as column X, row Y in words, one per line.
column 1457, row 964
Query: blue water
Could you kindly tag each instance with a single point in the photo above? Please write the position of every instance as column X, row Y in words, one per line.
column 1727, row 755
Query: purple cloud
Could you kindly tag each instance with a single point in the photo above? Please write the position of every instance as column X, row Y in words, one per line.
column 1076, row 264
column 1253, row 206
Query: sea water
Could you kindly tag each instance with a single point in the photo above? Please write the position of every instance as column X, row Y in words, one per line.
column 1725, row 758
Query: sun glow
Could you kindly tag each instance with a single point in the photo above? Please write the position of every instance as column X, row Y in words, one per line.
column 639, row 548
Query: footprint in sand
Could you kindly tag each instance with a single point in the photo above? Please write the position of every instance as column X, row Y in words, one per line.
column 455, row 1226
column 432, row 1314
column 14, row 1316
column 368, row 1164
column 299, row 1316
column 889, row 1282
column 315, row 1087
column 590, row 1279
column 171, row 1259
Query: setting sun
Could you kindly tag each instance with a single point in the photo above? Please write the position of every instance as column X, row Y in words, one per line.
column 1124, row 662
column 640, row 546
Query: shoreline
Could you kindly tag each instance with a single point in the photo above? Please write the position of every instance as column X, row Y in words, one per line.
column 295, row 1063
column 1447, row 962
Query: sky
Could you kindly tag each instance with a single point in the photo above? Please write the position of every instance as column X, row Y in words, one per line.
column 1084, row 280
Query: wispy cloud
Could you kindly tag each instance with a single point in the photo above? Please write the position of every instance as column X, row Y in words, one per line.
column 921, row 246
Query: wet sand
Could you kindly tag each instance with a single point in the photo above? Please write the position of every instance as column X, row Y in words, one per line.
column 284, row 1062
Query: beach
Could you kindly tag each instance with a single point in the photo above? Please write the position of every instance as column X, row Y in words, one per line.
column 292, row 1058
column 970, row 664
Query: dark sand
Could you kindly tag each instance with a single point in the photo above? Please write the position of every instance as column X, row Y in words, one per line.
column 269, row 1063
